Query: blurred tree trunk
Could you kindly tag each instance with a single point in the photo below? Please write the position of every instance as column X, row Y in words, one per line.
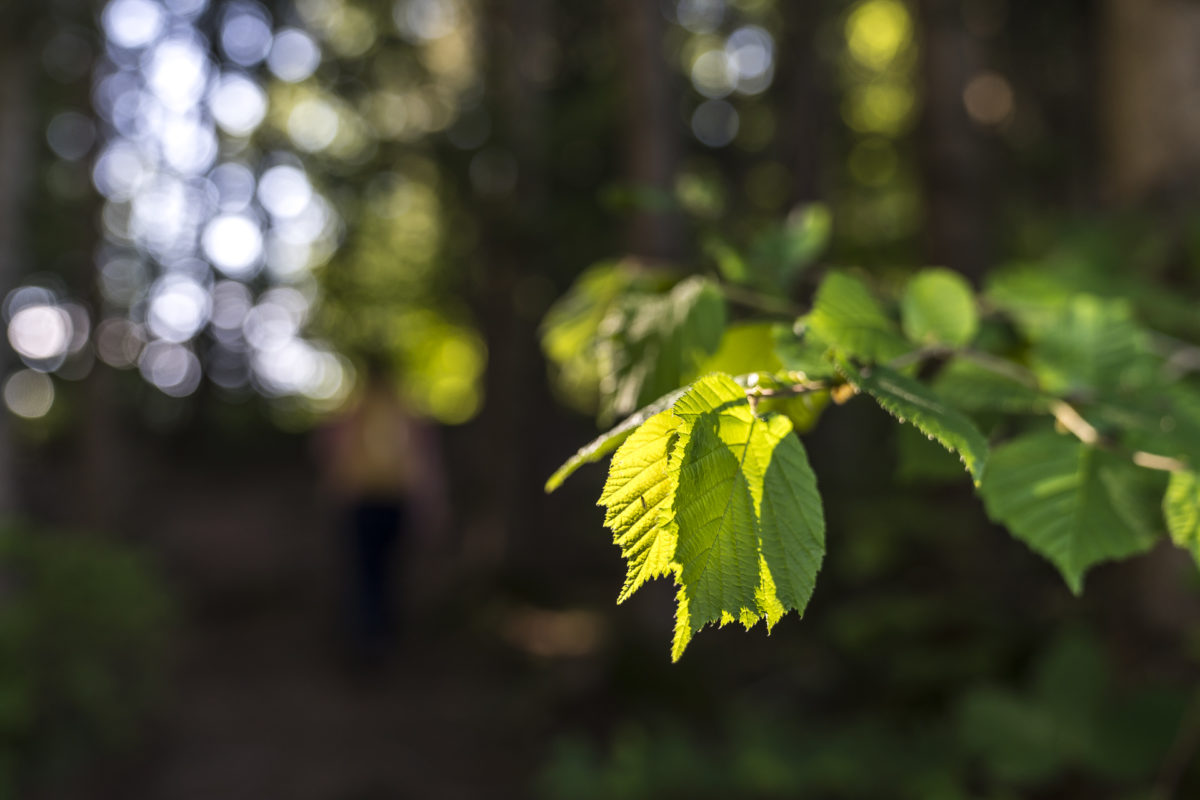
column 1151, row 75
column 954, row 160
column 514, row 232
column 17, row 131
column 803, row 100
column 651, row 128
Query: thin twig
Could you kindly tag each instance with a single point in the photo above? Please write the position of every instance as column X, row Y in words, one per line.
column 1154, row 461
column 795, row 389
column 1073, row 421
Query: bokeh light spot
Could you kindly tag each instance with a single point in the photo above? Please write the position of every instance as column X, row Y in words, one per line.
column 234, row 244
column 988, row 98
column 876, row 32
column 40, row 332
column 294, row 55
column 29, row 394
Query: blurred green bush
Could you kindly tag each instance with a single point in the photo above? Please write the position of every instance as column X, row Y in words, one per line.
column 83, row 625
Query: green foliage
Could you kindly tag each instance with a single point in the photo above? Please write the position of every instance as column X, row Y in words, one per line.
column 1065, row 730
column 1071, row 502
column 939, row 308
column 972, row 388
column 1069, row 719
column 651, row 344
column 912, row 402
column 1181, row 507
column 779, row 253
column 609, row 441
column 571, row 330
column 848, row 317
column 725, row 501
column 1091, row 344
column 712, row 487
column 638, row 497
column 81, row 648
column 624, row 335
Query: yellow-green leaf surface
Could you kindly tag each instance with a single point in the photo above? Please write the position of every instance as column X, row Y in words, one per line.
column 914, row 403
column 939, row 308
column 610, row 440
column 847, row 316
column 1068, row 501
column 637, row 498
column 1181, row 507
column 749, row 521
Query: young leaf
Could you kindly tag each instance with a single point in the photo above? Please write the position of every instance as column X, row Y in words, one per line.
column 939, row 308
column 1181, row 507
column 749, row 521
column 913, row 402
column 1068, row 501
column 637, row 497
column 610, row 440
column 848, row 317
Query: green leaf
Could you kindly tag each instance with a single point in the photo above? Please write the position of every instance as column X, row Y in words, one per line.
column 749, row 521
column 848, row 317
column 1030, row 294
column 1071, row 503
column 610, row 440
column 781, row 252
column 637, row 497
column 938, row 307
column 1164, row 419
column 914, row 403
column 1181, row 507
column 570, row 330
column 652, row 344
column 804, row 353
column 1093, row 344
column 745, row 347
column 972, row 388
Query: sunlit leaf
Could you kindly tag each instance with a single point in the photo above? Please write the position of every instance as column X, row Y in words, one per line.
column 749, row 520
column 637, row 498
column 610, row 440
column 1181, row 507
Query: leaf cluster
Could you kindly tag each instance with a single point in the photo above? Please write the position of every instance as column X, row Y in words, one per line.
column 1074, row 422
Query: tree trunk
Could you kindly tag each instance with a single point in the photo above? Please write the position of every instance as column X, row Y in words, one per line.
column 1151, row 80
column 651, row 128
column 954, row 159
column 17, row 132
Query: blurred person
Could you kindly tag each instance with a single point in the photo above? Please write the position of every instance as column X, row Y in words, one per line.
column 383, row 466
